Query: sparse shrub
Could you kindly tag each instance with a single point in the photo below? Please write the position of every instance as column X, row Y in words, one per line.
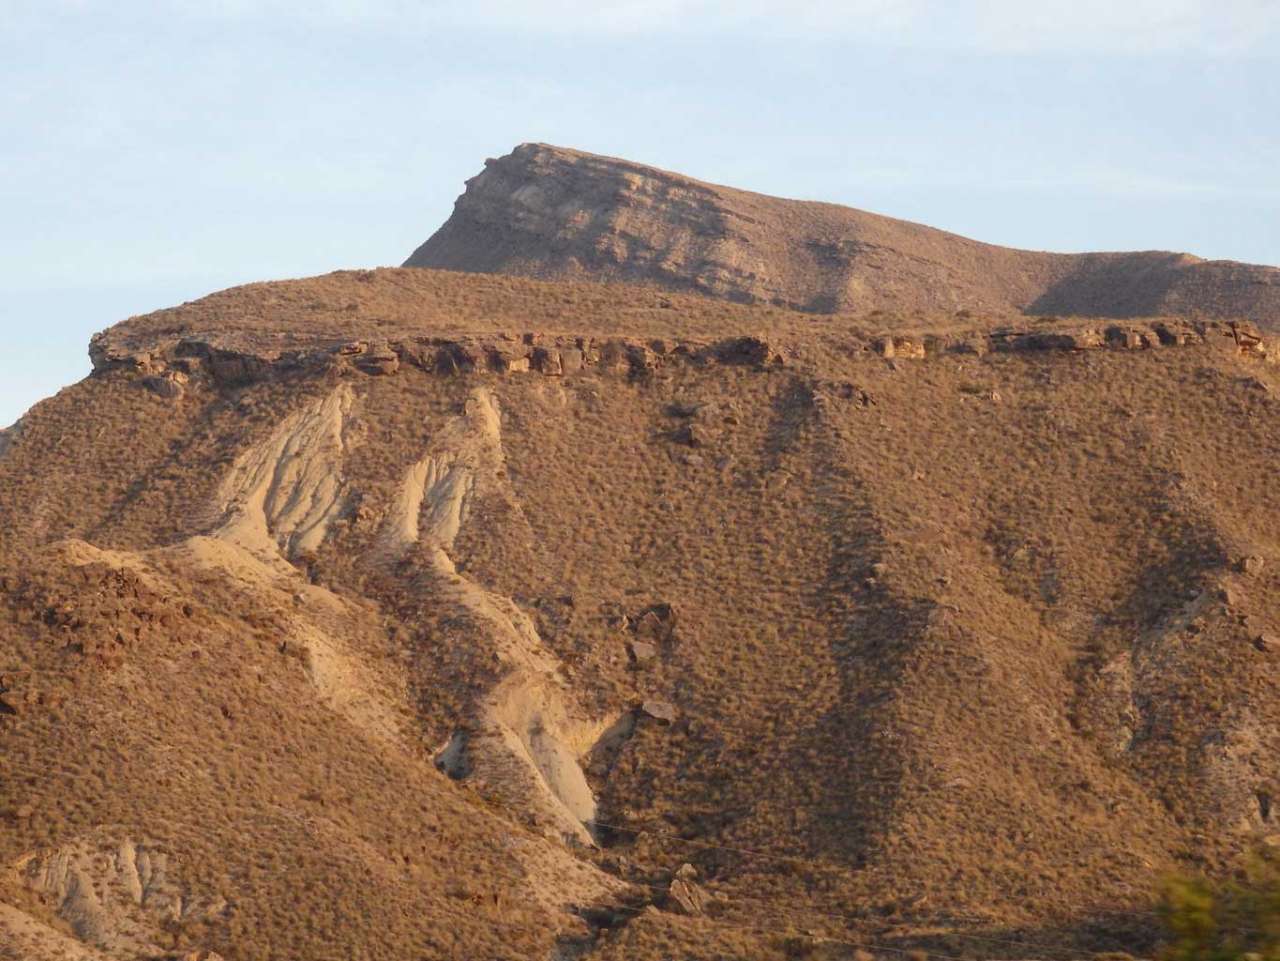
column 1236, row 920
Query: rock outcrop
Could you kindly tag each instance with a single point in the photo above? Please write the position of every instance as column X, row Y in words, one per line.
column 215, row 359
column 548, row 212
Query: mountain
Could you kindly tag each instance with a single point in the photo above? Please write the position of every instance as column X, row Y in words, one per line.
column 552, row 213
column 414, row 614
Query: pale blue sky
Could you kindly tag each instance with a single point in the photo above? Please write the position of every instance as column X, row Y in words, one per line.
column 153, row 152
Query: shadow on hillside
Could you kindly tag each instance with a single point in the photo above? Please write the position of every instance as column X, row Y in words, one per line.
column 1109, row 286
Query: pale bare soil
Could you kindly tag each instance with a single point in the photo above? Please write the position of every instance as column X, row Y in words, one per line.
column 318, row 651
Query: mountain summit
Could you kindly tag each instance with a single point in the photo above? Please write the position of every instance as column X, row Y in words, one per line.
column 553, row 213
column 415, row 614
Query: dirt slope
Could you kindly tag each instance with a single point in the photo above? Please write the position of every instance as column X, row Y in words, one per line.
column 553, row 213
column 412, row 614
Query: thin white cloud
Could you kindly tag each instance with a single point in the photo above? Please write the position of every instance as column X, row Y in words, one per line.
column 1114, row 27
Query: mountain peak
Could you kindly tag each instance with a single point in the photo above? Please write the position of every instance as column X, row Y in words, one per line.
column 556, row 213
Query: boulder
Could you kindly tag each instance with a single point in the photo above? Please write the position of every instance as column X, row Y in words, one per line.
column 684, row 896
column 1170, row 336
column 419, row 353
column 1267, row 643
column 378, row 361
column 692, row 435
column 232, row 367
column 909, row 347
column 641, row 651
column 508, row 358
column 454, row 358
column 1088, row 339
column 655, row 623
column 1126, row 338
column 641, row 359
column 662, row 711
column 547, row 360
column 1248, row 339
column 751, row 351
column 571, row 360
column 614, row 355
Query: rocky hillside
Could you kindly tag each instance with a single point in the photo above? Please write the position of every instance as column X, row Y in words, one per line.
column 553, row 213
column 410, row 614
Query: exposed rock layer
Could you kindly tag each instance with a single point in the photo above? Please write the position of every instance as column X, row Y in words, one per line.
column 553, row 213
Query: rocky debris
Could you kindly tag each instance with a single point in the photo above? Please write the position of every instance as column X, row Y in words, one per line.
column 168, row 368
column 655, row 623
column 379, row 360
column 692, row 435
column 105, row 354
column 1016, row 340
column 453, row 358
column 684, row 895
column 1267, row 643
column 701, row 410
column 1248, row 339
column 1171, row 335
column 170, row 385
column 508, row 358
column 662, row 711
column 910, row 348
column 548, row 361
column 1126, row 338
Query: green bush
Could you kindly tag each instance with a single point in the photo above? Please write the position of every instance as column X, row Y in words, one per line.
column 1236, row 920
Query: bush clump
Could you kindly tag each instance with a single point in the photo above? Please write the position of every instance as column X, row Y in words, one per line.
column 1236, row 920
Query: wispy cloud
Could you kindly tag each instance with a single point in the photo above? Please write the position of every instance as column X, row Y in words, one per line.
column 1112, row 27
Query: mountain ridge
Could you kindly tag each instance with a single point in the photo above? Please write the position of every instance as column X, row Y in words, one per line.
column 556, row 213
column 413, row 613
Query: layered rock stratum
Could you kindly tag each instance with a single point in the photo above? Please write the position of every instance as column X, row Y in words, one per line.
column 552, row 213
column 421, row 614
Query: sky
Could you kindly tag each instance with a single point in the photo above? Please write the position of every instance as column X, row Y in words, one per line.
column 153, row 152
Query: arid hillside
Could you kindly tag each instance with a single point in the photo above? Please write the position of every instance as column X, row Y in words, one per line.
column 409, row 614
column 552, row 213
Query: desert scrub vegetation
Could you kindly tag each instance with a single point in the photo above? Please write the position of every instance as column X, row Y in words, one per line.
column 1233, row 920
